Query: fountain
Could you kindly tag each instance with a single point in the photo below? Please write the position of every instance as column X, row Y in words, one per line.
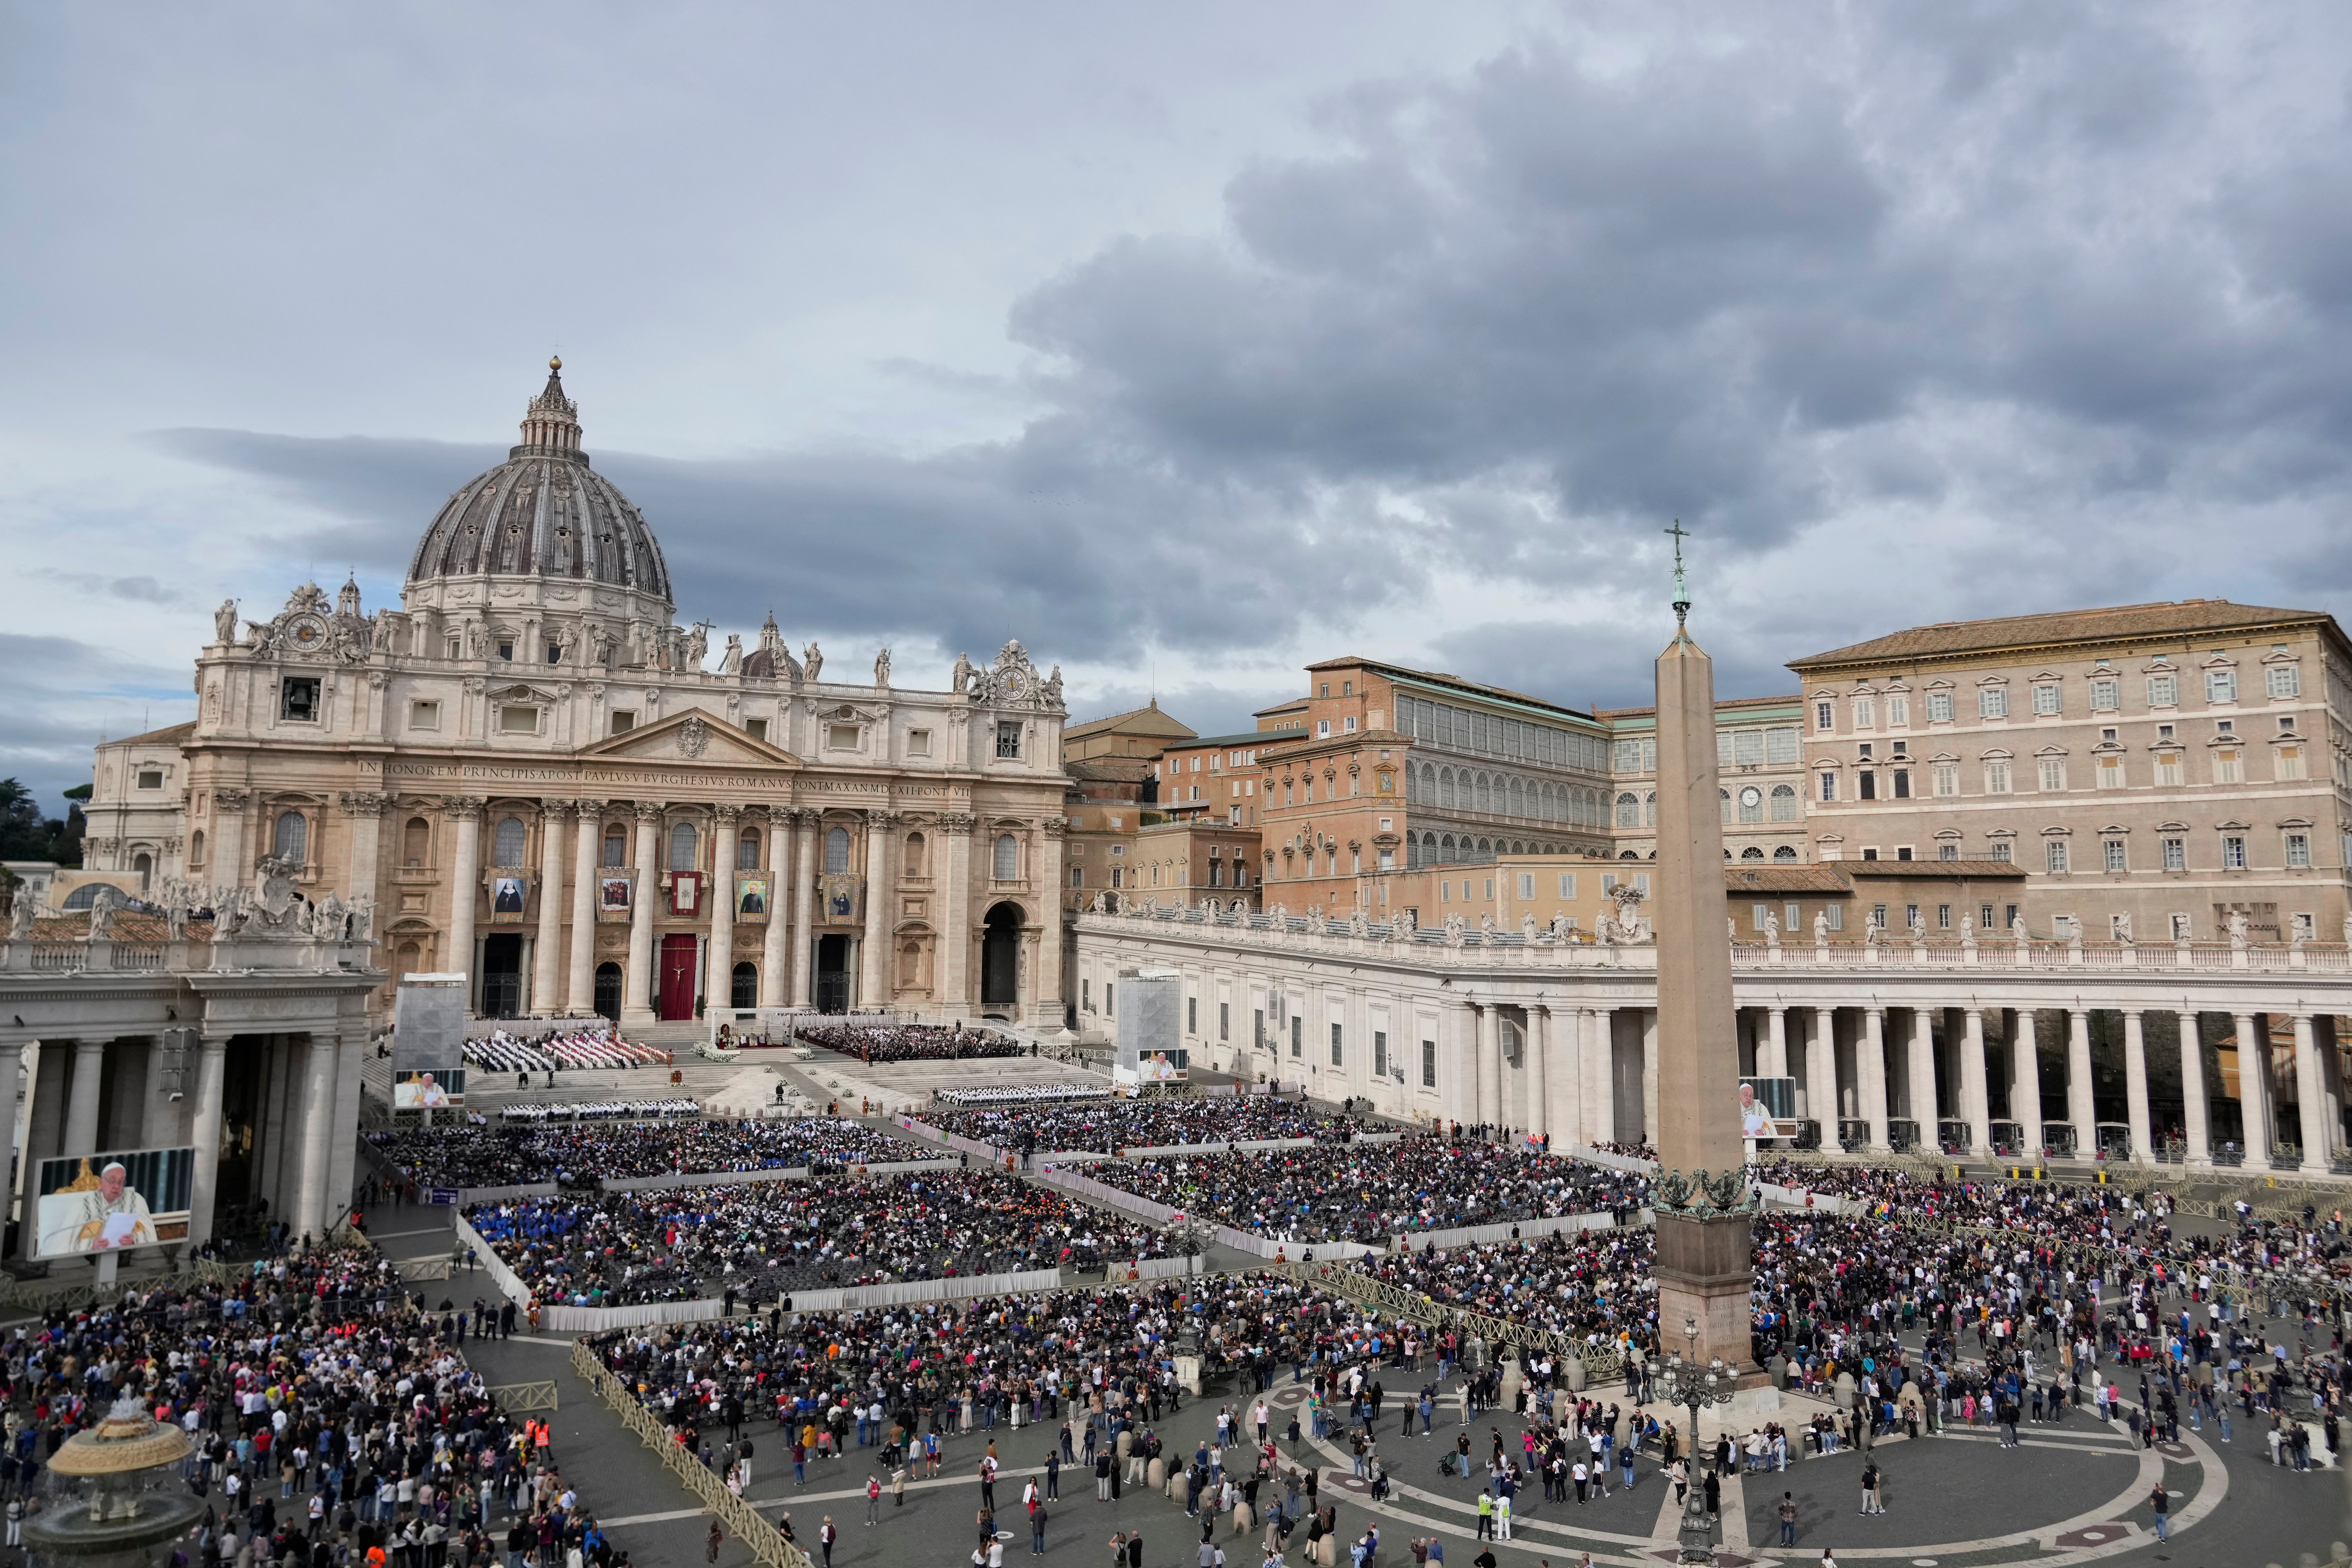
column 116, row 1499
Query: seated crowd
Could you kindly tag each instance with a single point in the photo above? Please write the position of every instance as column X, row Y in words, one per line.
column 1104, row 1125
column 329, row 1416
column 537, row 1111
column 1022, row 1093
column 760, row 1240
column 910, row 1042
column 1370, row 1192
column 523, row 1155
column 571, row 1050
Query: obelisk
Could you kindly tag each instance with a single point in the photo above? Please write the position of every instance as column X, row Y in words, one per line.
column 1704, row 1268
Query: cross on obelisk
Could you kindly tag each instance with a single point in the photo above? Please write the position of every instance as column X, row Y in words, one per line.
column 1704, row 1266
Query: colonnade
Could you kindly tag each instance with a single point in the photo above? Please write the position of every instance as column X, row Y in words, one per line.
column 1577, row 1074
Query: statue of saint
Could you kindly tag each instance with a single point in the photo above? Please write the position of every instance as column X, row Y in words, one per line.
column 225, row 623
column 882, row 671
column 814, row 661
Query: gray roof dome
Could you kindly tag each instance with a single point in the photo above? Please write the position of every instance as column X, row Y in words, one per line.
column 544, row 512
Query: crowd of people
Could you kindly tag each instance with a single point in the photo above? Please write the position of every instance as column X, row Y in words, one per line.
column 1106, row 1126
column 1368, row 1192
column 872, row 1043
column 756, row 1241
column 1007, row 1094
column 547, row 1152
column 330, row 1419
column 1588, row 1283
column 500, row 1050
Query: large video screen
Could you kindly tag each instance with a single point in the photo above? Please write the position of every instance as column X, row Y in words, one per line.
column 91, row 1204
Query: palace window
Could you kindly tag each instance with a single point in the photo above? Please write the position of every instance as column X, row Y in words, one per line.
column 836, row 849
column 1008, row 857
column 2115, row 854
column 2054, row 854
column 2167, row 768
column 1947, row 778
column 746, row 850
column 1939, row 708
column 507, row 843
column 2298, row 849
column 1784, row 803
column 1898, row 710
column 2111, row 773
column 682, row 839
column 2053, row 774
column 1824, row 718
column 2001, row 849
column 616, row 846
column 2106, row 694
column 2045, row 699
column 1429, row 1064
column 1992, row 702
column 1829, row 788
column 2233, row 851
column 2220, row 686
column 2225, row 766
column 1864, row 714
column 1338, row 1056
column 2289, row 762
column 2283, row 681
column 2163, row 690
column 2176, row 854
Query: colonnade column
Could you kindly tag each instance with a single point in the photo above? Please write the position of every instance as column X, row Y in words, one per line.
column 2253, row 1091
column 637, row 985
column 1821, row 1074
column 1925, row 1109
column 1601, row 1105
column 2025, row 1081
column 1976, row 1105
column 2142, row 1150
column 804, row 867
column 2196, row 1124
column 1564, row 1114
column 1870, row 1073
column 547, row 952
column 314, row 1204
column 1650, row 1075
column 1775, row 1062
column 1589, row 1025
column 874, row 945
column 2080, row 1109
column 81, row 1109
column 1471, row 1095
column 465, row 888
column 1538, row 1071
column 2311, row 1097
column 774, row 952
column 718, row 981
column 580, row 988
column 204, row 1182
column 955, row 912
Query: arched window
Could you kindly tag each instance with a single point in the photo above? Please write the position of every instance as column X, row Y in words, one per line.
column 1727, row 804
column 915, row 847
column 506, row 846
column 1412, row 854
column 1650, row 809
column 415, row 842
column 411, row 960
column 1446, row 850
column 1485, row 793
column 1445, row 787
column 682, row 846
column 1628, row 855
column 1486, row 847
column 292, row 837
column 1786, row 852
column 1518, row 799
column 1008, row 857
column 82, row 897
column 142, row 863
column 1751, row 853
column 1629, row 810
column 746, row 850
column 836, row 849
column 616, row 845
column 196, row 847
column 1784, row 803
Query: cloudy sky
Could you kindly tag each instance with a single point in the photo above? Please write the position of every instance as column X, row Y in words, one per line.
column 1187, row 344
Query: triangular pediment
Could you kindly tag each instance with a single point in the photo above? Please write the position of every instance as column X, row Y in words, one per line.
column 691, row 736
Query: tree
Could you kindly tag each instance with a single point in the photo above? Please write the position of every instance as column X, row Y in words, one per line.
column 26, row 835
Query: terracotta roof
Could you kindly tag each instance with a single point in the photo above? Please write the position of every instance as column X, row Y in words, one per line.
column 171, row 734
column 1439, row 678
column 130, row 925
column 1168, row 725
column 1938, row 869
column 2119, row 623
column 1120, row 770
column 1769, row 878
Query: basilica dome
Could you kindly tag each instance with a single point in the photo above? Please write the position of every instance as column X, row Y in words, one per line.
column 544, row 513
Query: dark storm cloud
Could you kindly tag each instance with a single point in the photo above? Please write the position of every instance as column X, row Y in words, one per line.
column 1951, row 308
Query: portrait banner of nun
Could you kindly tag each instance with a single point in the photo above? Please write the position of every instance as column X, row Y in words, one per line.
column 508, row 891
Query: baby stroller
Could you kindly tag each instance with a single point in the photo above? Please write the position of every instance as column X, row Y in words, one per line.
column 1450, row 1464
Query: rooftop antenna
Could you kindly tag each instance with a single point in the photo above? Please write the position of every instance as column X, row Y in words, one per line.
column 1682, row 582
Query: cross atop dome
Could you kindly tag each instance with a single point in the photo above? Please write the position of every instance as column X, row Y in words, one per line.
column 551, row 423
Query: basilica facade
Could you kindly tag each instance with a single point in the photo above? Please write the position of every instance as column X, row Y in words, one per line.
column 535, row 777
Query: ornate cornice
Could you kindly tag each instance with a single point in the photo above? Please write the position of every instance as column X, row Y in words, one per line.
column 462, row 808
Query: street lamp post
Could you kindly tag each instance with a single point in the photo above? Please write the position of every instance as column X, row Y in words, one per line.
column 1694, row 1388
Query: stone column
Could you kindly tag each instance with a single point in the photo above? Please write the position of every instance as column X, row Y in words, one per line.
column 1471, row 1092
column 1538, row 1071
column 313, row 1200
column 1775, row 1055
column 465, row 888
column 227, row 857
column 547, row 952
column 2254, row 1090
column 366, row 810
column 719, row 987
column 1566, row 1094
column 636, row 985
column 955, row 913
column 1870, row 1072
column 1600, row 1098
column 2136, row 1107
column 588, row 842
column 206, row 1123
column 2025, row 1082
column 774, row 955
column 12, row 1083
column 1821, row 1074
column 2197, row 1125
column 350, row 1046
column 2080, row 1109
column 1976, row 1104
column 81, row 1109
column 2311, row 1097
column 1925, row 1109
column 874, row 972
column 803, row 935
column 1650, row 1075
column 1049, row 1012
column 1489, row 1052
